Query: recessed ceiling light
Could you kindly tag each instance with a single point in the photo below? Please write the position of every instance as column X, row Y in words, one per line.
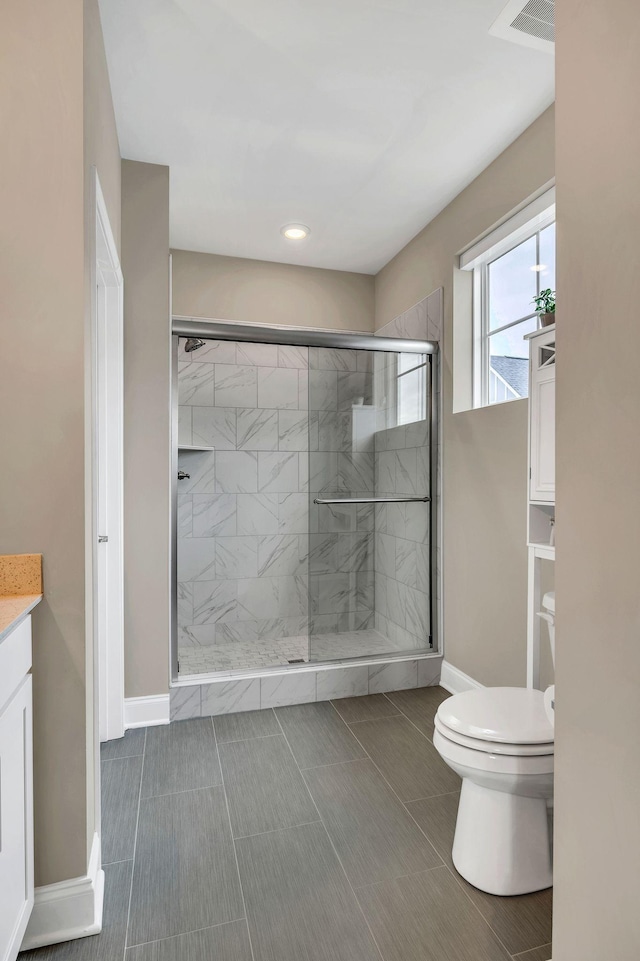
column 295, row 231
column 539, row 267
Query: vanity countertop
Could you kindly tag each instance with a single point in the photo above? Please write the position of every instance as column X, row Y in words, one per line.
column 20, row 588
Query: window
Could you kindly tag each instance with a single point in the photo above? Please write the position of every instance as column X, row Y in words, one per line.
column 510, row 267
column 411, row 397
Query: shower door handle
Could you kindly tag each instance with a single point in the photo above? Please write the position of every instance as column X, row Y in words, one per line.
column 370, row 500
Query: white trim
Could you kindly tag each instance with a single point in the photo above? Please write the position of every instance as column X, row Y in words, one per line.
column 146, row 711
column 510, row 232
column 455, row 681
column 68, row 909
column 106, row 429
column 480, row 264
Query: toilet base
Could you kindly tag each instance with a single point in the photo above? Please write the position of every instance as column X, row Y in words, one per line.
column 501, row 843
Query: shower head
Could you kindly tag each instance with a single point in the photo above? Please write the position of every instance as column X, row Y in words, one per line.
column 193, row 343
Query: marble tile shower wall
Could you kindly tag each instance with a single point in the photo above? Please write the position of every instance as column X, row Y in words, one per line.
column 257, row 559
column 402, row 536
column 402, row 531
column 342, row 430
column 243, row 514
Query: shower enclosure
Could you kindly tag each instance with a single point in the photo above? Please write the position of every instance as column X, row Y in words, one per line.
column 304, row 525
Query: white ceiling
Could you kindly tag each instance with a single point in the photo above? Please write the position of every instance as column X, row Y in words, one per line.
column 360, row 118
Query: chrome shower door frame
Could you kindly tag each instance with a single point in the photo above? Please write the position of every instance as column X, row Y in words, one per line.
column 309, row 337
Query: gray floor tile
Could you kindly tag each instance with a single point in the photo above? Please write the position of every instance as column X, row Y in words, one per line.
column 299, row 902
column 120, row 793
column 364, row 708
column 373, row 834
column 225, row 942
column 185, row 875
column 420, row 705
column 318, row 735
column 537, row 954
column 264, row 787
column 109, row 944
column 428, row 917
column 244, row 724
column 180, row 757
column 131, row 744
column 408, row 760
column 521, row 922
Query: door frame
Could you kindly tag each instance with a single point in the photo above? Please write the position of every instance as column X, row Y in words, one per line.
column 106, row 413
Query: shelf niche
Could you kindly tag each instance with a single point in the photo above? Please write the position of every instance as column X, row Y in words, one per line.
column 541, row 521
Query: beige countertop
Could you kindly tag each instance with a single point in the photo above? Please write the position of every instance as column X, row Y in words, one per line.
column 20, row 588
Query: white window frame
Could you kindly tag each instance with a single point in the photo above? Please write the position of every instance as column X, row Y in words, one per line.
column 399, row 375
column 526, row 223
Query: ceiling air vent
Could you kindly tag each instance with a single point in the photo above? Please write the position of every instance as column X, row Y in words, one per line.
column 529, row 22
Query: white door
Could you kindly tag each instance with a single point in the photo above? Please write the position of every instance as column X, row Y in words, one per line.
column 107, row 485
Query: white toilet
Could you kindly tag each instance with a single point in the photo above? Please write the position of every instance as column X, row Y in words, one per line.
column 500, row 741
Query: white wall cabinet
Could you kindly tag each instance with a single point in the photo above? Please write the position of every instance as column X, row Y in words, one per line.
column 16, row 789
column 542, row 415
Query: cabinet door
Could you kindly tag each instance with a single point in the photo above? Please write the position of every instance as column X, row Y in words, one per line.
column 16, row 821
column 542, row 394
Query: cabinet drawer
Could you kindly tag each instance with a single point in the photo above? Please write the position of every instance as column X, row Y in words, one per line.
column 15, row 659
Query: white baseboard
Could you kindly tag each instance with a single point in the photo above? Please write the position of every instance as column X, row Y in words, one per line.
column 68, row 909
column 456, row 681
column 146, row 711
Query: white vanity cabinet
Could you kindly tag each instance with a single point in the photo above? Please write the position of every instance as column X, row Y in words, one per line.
column 542, row 415
column 16, row 788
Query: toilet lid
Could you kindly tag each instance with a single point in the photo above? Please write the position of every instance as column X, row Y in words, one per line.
column 493, row 747
column 510, row 715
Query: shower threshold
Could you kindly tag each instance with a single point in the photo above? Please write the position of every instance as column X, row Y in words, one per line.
column 281, row 652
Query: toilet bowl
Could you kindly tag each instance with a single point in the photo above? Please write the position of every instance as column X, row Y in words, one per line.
column 500, row 740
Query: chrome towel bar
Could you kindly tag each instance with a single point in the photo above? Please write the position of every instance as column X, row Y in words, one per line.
column 369, row 500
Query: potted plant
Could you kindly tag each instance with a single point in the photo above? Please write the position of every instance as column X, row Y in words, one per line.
column 545, row 305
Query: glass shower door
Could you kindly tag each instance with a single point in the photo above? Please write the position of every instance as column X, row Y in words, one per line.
column 369, row 485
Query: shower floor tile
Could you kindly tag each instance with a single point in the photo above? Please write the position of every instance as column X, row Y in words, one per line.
column 253, row 655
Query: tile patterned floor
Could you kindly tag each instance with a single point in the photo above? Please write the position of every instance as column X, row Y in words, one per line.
column 275, row 652
column 316, row 831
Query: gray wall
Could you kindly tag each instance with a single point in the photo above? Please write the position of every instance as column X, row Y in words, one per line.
column 597, row 784
column 47, row 53
column 485, row 450
column 147, row 426
column 230, row 288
